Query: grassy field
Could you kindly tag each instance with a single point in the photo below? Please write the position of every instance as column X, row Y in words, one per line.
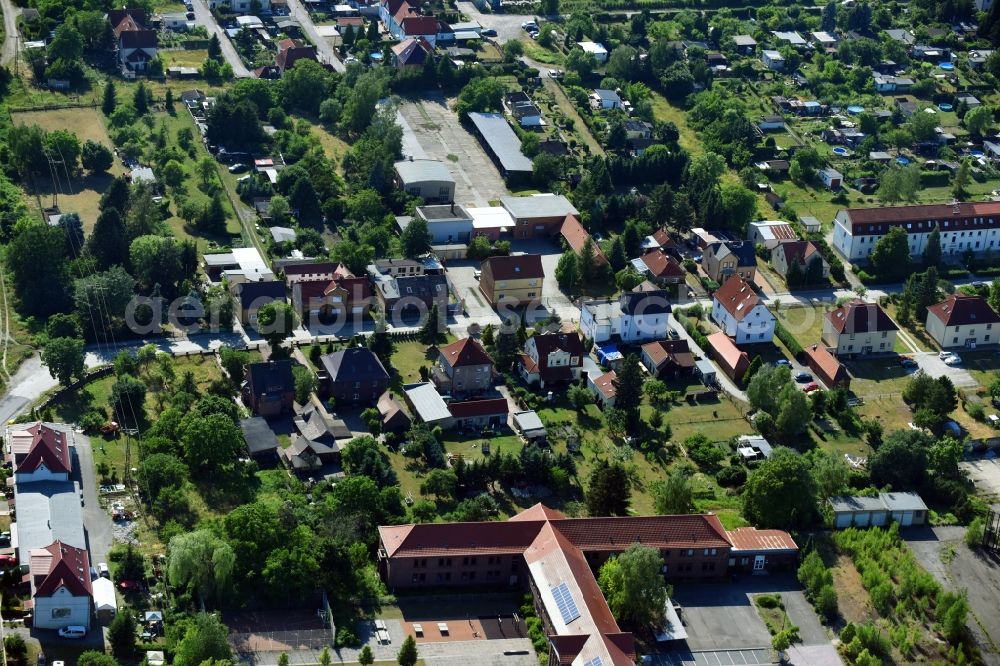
column 804, row 323
column 915, row 332
column 184, row 57
column 984, row 366
column 664, row 111
column 81, row 193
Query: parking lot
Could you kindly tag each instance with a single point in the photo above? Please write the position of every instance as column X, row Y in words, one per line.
column 432, row 131
column 985, row 475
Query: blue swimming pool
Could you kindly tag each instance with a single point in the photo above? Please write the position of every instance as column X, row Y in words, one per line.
column 946, row 66
column 855, row 109
column 902, row 160
column 840, row 151
column 945, row 107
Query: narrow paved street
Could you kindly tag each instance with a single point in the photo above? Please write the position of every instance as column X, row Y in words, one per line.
column 326, row 51
column 95, row 519
column 204, row 17
column 10, row 13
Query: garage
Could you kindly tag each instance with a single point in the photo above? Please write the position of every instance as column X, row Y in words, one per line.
column 907, row 509
column 858, row 511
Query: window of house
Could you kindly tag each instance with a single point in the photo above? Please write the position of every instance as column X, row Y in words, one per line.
column 954, row 340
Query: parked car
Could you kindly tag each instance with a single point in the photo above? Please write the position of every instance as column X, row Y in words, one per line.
column 190, row 16
column 907, row 362
column 803, row 377
column 238, row 168
column 811, row 387
column 8, row 560
column 950, row 358
column 784, row 362
column 102, row 570
column 73, row 631
column 489, row 32
column 477, row 273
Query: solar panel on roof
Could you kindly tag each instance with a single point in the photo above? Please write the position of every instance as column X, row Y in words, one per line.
column 596, row 661
column 565, row 604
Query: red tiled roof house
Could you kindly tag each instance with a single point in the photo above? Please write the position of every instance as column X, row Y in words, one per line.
column 463, row 368
column 41, row 453
column 963, row 321
column 728, row 356
column 60, row 581
column 859, row 328
column 551, row 359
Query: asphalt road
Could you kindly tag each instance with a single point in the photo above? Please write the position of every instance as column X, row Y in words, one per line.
column 95, row 519
column 326, row 51
column 10, row 31
column 203, row 16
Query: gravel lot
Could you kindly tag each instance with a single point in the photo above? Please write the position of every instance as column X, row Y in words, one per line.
column 432, row 131
column 961, row 568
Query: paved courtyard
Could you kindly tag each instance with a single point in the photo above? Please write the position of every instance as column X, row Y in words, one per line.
column 984, row 473
column 432, row 131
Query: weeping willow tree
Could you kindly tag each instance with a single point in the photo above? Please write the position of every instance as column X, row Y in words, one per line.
column 202, row 563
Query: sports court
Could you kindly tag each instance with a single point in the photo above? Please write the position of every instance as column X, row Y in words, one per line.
column 284, row 630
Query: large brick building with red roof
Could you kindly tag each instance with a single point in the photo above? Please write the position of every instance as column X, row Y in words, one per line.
column 555, row 557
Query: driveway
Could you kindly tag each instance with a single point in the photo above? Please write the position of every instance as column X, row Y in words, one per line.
column 553, row 299
column 326, row 51
column 724, row 381
column 942, row 551
column 204, row 17
column 935, row 367
column 432, row 131
column 95, row 518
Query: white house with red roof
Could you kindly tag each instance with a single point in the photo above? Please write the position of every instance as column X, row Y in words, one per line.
column 40, row 453
column 404, row 20
column 551, row 358
column 741, row 314
column 963, row 227
column 963, row 321
column 136, row 43
column 858, row 327
column 60, row 586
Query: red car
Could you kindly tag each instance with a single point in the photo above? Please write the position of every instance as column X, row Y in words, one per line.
column 130, row 585
column 8, row 560
column 811, row 387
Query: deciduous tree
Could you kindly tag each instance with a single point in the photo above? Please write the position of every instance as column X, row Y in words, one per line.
column 781, row 492
column 633, row 585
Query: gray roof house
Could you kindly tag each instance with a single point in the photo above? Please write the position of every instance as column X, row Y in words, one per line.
column 428, row 179
column 262, row 443
column 427, row 404
column 47, row 511
column 529, row 425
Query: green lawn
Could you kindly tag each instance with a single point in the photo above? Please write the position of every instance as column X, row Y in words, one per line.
column 804, row 323
column 984, row 366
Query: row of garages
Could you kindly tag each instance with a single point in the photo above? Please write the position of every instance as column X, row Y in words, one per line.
column 907, row 509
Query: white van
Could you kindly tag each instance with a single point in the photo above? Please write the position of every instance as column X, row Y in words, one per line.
column 102, row 570
column 73, row 631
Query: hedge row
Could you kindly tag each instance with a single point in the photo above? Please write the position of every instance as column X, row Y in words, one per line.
column 787, row 339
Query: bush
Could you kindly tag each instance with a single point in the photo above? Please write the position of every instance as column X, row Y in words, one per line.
column 974, row 533
column 732, row 476
column 976, row 411
column 768, row 600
